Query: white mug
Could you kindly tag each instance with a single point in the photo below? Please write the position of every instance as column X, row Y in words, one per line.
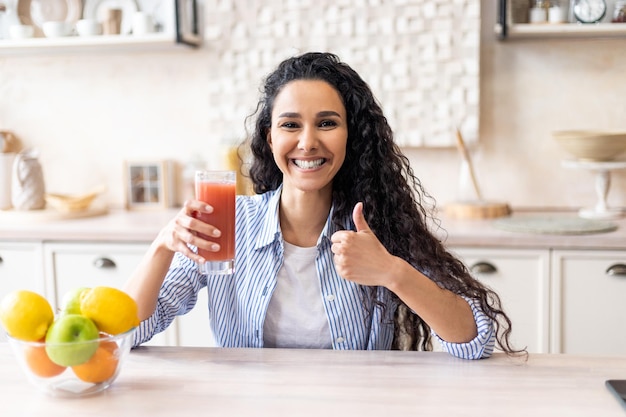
column 88, row 27
column 142, row 24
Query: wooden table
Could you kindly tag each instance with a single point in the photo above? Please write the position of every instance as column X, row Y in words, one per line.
column 164, row 381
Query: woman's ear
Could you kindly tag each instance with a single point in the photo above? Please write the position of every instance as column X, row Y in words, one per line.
column 268, row 138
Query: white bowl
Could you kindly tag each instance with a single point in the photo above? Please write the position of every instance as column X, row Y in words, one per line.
column 21, row 31
column 56, row 29
column 34, row 362
column 88, row 27
column 592, row 145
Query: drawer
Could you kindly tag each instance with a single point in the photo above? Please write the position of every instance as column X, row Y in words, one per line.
column 74, row 265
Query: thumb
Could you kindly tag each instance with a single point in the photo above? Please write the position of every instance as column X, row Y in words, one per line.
column 359, row 219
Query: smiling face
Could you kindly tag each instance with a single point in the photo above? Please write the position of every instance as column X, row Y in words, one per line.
column 308, row 135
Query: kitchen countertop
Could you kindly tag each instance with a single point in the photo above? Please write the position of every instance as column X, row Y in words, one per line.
column 482, row 233
column 143, row 226
column 167, row 381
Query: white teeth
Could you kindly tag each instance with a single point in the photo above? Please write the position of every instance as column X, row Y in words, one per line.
column 308, row 164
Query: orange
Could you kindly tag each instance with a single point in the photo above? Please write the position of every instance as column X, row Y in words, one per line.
column 39, row 363
column 101, row 366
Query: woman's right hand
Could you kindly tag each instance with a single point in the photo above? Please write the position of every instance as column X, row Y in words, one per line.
column 187, row 229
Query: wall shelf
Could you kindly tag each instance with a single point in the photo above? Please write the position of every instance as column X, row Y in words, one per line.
column 560, row 30
column 505, row 28
column 182, row 31
column 69, row 44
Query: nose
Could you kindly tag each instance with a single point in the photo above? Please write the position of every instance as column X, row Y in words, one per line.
column 307, row 140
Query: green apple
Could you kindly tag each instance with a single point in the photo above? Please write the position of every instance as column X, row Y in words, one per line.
column 70, row 303
column 71, row 340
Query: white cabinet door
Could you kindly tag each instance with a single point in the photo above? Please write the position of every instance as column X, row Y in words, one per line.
column 21, row 268
column 589, row 302
column 521, row 278
column 76, row 265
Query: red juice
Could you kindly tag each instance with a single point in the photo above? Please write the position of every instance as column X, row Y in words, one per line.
column 221, row 196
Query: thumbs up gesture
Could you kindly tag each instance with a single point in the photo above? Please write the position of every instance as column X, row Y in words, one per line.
column 359, row 256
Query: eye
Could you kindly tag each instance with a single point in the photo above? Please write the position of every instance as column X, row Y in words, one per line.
column 289, row 125
column 328, row 123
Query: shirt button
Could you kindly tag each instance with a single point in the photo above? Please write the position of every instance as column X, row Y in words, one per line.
column 340, row 339
column 330, row 297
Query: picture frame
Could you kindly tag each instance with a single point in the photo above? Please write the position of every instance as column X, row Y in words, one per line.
column 149, row 185
column 187, row 23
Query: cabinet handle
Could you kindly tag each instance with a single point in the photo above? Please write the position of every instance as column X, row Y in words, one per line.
column 618, row 270
column 104, row 263
column 1, row 260
column 483, row 267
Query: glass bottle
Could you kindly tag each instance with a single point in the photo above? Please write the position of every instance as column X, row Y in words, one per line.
column 538, row 12
column 557, row 13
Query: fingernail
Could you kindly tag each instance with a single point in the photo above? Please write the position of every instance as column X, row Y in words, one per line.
column 217, row 233
column 208, row 209
column 215, row 247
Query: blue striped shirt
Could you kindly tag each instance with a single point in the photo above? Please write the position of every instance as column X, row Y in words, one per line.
column 237, row 303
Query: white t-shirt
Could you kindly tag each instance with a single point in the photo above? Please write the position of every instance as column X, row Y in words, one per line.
column 295, row 316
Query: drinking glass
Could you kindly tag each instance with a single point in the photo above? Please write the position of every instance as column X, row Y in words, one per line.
column 217, row 189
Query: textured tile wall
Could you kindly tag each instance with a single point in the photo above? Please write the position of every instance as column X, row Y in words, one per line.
column 421, row 57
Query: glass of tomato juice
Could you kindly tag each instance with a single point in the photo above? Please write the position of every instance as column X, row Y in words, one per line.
column 217, row 189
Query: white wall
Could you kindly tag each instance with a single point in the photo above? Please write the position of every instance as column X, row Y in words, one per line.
column 88, row 112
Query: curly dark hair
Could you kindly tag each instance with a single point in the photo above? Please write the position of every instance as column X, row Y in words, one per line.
column 375, row 172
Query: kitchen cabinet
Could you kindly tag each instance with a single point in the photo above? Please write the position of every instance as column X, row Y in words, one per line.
column 85, row 264
column 21, row 267
column 588, row 302
column 521, row 278
column 71, row 265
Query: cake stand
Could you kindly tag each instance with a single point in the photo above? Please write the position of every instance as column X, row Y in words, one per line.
column 602, row 172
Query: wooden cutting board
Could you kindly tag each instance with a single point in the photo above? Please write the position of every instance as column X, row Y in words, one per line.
column 477, row 210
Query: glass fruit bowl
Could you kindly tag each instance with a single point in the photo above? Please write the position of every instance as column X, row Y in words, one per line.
column 92, row 366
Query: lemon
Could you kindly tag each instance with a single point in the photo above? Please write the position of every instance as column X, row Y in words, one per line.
column 112, row 310
column 25, row 315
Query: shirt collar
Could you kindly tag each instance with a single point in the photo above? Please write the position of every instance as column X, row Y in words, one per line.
column 270, row 230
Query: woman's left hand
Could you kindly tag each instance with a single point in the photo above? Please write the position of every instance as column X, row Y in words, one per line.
column 359, row 256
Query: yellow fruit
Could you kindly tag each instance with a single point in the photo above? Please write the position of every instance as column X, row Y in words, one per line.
column 112, row 310
column 25, row 315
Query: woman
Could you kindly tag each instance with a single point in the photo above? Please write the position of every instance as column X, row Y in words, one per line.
column 334, row 250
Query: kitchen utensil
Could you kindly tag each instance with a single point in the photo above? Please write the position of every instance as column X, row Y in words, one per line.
column 602, row 171
column 592, row 145
column 97, row 377
column 478, row 208
column 21, row 31
column 88, row 27
column 142, row 24
column 68, row 203
column 27, row 186
column 466, row 157
column 97, row 9
column 55, row 29
column 112, row 23
column 36, row 12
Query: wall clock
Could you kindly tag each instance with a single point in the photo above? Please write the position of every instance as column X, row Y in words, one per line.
column 589, row 11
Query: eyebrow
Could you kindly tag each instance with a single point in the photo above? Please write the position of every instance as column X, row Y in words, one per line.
column 325, row 113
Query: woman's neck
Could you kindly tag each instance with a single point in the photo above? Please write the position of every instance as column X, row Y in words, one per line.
column 303, row 216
